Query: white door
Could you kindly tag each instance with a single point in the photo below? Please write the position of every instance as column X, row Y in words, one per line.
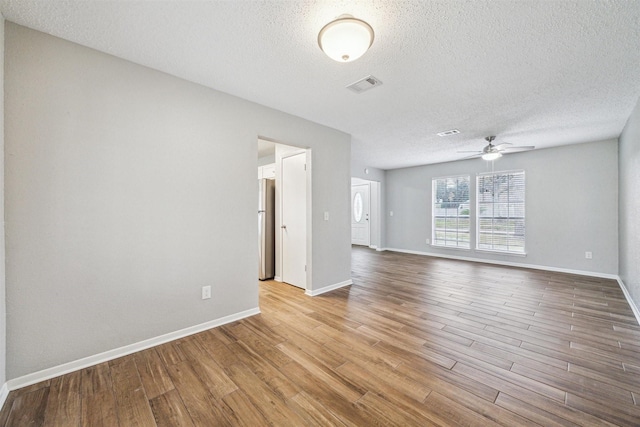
column 294, row 220
column 360, row 210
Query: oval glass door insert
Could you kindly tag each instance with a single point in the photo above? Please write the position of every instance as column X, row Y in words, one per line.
column 357, row 207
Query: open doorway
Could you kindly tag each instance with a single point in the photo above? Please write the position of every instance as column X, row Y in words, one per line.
column 289, row 168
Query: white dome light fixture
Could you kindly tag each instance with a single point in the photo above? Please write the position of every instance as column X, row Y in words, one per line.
column 346, row 38
column 492, row 155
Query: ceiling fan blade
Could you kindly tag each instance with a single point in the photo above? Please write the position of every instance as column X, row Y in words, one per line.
column 493, row 150
column 520, row 148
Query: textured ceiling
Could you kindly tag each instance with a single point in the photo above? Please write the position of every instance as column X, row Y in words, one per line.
column 540, row 73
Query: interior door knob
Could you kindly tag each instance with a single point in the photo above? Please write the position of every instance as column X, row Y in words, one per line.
column 283, row 226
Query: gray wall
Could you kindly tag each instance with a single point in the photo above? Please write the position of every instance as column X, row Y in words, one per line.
column 358, row 171
column 127, row 190
column 3, row 312
column 629, row 219
column 571, row 206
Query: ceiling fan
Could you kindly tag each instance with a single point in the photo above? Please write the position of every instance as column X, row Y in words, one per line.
column 492, row 152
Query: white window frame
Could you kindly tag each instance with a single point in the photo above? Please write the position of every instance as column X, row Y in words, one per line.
column 459, row 244
column 510, row 207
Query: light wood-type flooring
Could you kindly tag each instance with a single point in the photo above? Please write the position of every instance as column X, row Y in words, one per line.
column 415, row 341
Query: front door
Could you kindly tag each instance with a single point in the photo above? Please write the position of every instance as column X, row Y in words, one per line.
column 294, row 220
column 360, row 229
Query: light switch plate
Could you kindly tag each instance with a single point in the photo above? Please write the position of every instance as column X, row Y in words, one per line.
column 206, row 292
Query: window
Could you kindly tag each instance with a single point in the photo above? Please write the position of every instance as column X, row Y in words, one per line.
column 500, row 213
column 451, row 212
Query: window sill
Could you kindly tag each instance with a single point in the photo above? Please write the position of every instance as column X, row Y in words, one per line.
column 450, row 247
column 490, row 251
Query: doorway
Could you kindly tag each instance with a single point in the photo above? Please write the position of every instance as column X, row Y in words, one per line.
column 366, row 213
column 290, row 168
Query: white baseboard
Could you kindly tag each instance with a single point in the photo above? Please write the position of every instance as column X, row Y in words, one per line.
column 381, row 249
column 277, row 278
column 85, row 362
column 4, row 392
column 373, row 247
column 314, row 292
column 632, row 304
column 510, row 264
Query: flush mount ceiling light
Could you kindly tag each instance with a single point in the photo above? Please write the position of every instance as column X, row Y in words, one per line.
column 345, row 39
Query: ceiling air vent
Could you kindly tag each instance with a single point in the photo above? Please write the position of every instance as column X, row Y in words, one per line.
column 448, row 132
column 364, row 84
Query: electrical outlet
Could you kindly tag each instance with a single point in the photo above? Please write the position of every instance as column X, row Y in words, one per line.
column 588, row 255
column 206, row 292
column 428, row 241
column 326, row 215
column 391, row 213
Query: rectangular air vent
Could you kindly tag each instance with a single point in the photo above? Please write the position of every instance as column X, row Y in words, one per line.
column 364, row 84
column 448, row 132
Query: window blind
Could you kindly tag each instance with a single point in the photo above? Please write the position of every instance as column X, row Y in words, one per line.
column 450, row 212
column 501, row 212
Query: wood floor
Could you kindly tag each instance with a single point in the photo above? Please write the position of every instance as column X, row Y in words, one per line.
column 415, row 341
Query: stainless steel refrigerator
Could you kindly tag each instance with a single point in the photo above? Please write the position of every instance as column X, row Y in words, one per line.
column 266, row 228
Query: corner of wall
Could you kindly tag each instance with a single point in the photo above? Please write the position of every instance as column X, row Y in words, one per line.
column 632, row 304
column 629, row 205
column 3, row 317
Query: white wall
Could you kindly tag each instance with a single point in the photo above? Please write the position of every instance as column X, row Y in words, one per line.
column 571, row 206
column 127, row 190
column 267, row 160
column 629, row 220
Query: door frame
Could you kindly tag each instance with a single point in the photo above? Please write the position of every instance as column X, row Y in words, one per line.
column 283, row 152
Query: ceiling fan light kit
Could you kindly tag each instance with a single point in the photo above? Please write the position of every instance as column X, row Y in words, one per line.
column 491, row 156
column 493, row 152
column 346, row 38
